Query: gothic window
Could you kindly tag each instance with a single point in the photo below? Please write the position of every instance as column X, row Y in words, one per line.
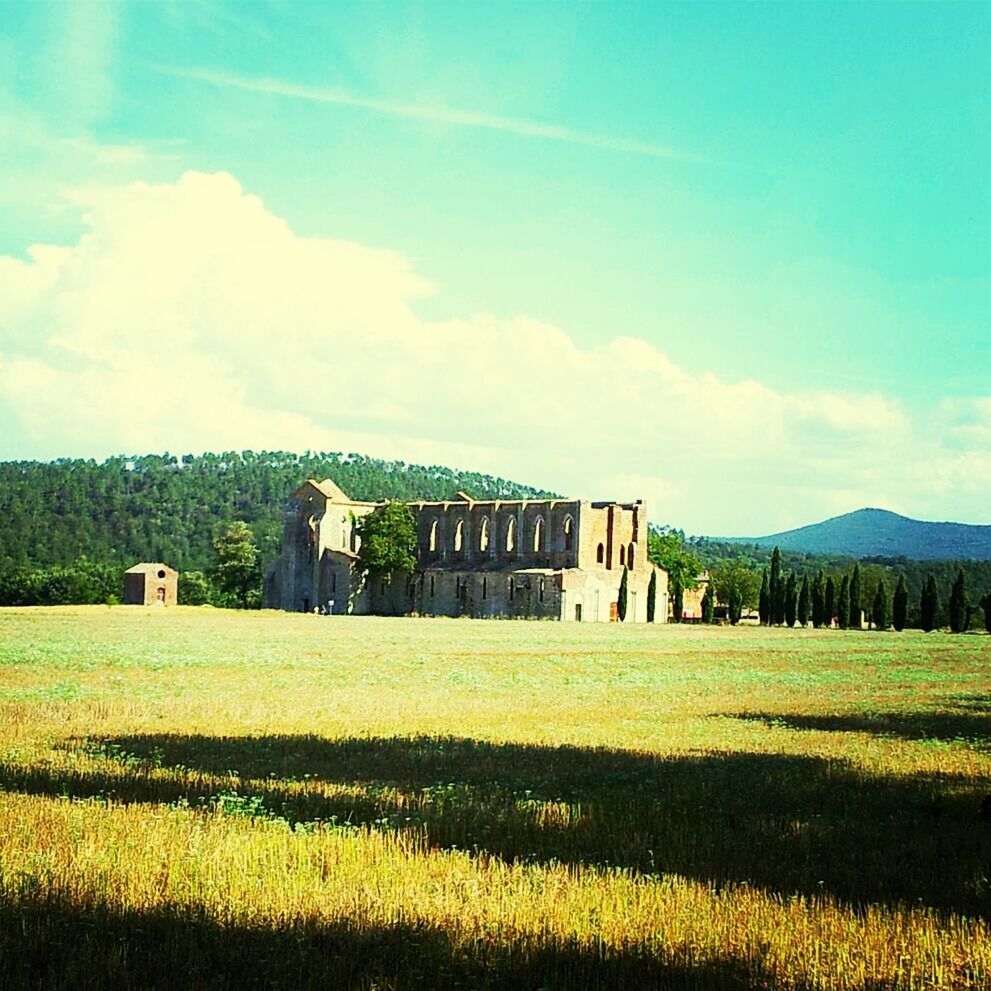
column 459, row 536
column 629, row 557
column 622, row 555
column 433, row 537
column 512, row 589
column 485, row 587
column 541, row 589
column 511, row 534
column 538, row 534
column 569, row 533
column 483, row 535
column 600, row 554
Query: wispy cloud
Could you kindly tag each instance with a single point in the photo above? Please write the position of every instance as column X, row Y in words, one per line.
column 435, row 114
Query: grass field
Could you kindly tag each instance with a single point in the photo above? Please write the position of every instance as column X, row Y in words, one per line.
column 194, row 798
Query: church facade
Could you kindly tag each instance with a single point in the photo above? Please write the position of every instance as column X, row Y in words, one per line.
column 532, row 558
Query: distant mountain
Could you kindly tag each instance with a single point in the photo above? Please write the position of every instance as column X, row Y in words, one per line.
column 880, row 533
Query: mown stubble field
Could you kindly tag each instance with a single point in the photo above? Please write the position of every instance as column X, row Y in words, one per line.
column 195, row 798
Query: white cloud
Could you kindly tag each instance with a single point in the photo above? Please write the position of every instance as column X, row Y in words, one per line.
column 189, row 317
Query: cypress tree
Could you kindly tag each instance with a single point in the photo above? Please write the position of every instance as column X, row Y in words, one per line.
column 900, row 604
column 677, row 601
column 959, row 606
column 764, row 607
column 829, row 602
column 986, row 606
column 621, row 604
column 879, row 610
column 929, row 605
column 818, row 602
column 843, row 605
column 855, row 606
column 791, row 594
column 707, row 604
column 652, row 596
column 803, row 603
column 776, row 589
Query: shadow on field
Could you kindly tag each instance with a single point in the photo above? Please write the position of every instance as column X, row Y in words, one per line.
column 972, row 726
column 49, row 944
column 787, row 823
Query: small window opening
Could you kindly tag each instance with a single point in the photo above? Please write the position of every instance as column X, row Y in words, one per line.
column 629, row 557
column 538, row 533
column 569, row 535
column 600, row 554
column 622, row 555
column 511, row 534
column 541, row 589
column 485, row 588
column 483, row 535
column 433, row 536
column 512, row 589
column 459, row 536
column 431, row 586
column 161, row 573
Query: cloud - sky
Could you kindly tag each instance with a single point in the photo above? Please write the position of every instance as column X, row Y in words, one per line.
column 734, row 263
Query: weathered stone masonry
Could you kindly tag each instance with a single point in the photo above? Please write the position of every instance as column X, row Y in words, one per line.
column 545, row 559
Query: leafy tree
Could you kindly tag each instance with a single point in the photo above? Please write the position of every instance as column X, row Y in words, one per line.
column 843, row 603
column 791, row 605
column 388, row 540
column 986, row 606
column 707, row 604
column 194, row 589
column 623, row 595
column 818, row 601
column 829, row 602
column 738, row 586
column 237, row 573
column 669, row 551
column 803, row 603
column 764, row 602
column 879, row 610
column 959, row 604
column 929, row 605
column 855, row 604
column 776, row 589
column 899, row 608
column 652, row 596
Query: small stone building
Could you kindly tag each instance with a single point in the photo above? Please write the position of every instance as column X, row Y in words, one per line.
column 151, row 584
column 535, row 558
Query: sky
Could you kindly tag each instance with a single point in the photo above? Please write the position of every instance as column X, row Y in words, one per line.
column 733, row 259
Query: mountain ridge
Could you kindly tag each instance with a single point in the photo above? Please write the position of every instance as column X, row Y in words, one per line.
column 875, row 532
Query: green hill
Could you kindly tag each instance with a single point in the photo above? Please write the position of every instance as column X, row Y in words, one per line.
column 880, row 533
column 166, row 508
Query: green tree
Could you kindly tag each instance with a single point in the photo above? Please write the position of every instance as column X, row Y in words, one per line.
column 818, row 601
column 829, row 602
column 707, row 604
column 986, row 606
column 652, row 596
column 929, row 605
column 388, row 540
column 843, row 603
column 736, row 585
column 623, row 595
column 855, row 604
column 899, row 609
column 194, row 589
column 879, row 610
column 237, row 572
column 959, row 604
column 803, row 603
column 776, row 589
column 764, row 601
column 791, row 603
column 669, row 551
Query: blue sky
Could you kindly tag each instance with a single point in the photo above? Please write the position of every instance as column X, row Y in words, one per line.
column 755, row 236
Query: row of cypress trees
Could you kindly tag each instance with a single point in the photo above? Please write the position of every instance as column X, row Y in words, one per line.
column 783, row 602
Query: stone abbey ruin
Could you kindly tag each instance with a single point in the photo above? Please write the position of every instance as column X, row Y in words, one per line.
column 533, row 558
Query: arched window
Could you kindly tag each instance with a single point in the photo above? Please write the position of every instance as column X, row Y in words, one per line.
column 629, row 557
column 459, row 536
column 485, row 587
column 600, row 554
column 512, row 589
column 622, row 555
column 538, row 534
column 511, row 534
column 433, row 536
column 569, row 533
column 483, row 534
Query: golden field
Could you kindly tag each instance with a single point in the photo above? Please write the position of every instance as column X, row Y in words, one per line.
column 198, row 798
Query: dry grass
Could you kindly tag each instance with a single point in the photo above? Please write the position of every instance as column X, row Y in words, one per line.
column 197, row 798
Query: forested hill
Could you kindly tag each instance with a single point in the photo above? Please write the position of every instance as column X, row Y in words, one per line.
column 880, row 533
column 163, row 508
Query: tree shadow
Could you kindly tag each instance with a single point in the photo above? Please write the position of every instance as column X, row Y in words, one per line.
column 789, row 824
column 971, row 726
column 52, row 944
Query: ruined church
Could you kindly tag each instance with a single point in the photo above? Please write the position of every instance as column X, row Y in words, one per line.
column 531, row 558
